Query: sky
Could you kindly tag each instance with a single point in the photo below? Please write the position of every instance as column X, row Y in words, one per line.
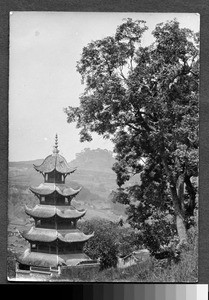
column 44, row 50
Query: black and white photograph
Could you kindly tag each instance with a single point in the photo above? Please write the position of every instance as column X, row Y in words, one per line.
column 103, row 147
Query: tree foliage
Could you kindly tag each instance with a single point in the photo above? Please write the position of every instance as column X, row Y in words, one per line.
column 146, row 100
column 102, row 246
column 110, row 241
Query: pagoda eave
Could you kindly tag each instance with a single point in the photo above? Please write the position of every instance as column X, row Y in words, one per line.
column 52, row 235
column 54, row 162
column 46, row 189
column 53, row 169
column 43, row 212
column 51, row 260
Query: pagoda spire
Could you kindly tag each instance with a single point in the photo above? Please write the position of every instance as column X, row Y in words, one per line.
column 56, row 150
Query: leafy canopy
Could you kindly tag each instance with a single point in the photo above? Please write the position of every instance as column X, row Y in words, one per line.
column 146, row 100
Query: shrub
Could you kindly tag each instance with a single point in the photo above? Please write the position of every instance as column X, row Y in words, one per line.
column 102, row 246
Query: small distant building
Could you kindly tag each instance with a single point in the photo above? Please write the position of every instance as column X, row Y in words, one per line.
column 133, row 258
column 55, row 241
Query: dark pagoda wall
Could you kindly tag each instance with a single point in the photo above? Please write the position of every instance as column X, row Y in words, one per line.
column 54, row 199
column 54, row 177
column 56, row 223
column 56, row 247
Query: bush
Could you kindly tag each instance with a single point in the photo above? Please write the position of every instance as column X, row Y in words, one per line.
column 102, row 246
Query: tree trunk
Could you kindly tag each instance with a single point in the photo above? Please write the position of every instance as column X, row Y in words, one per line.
column 192, row 194
column 177, row 203
column 180, row 191
column 180, row 224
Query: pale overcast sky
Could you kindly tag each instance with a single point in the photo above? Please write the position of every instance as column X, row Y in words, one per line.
column 44, row 49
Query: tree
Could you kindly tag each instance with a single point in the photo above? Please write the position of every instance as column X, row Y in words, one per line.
column 146, row 100
column 103, row 245
column 128, row 240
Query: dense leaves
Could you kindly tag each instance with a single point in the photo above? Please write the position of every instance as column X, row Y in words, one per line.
column 102, row 246
column 146, row 100
column 110, row 241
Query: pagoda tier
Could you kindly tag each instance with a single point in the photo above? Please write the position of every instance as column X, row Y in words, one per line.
column 51, row 235
column 49, row 211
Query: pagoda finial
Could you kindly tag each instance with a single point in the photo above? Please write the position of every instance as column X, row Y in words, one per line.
column 55, row 150
column 56, row 141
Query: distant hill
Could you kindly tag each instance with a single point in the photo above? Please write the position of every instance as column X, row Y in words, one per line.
column 94, row 160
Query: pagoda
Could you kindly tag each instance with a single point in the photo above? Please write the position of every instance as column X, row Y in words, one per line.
column 55, row 241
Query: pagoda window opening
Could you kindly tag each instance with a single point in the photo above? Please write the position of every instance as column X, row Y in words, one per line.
column 37, row 223
column 66, row 201
column 46, row 177
column 33, row 247
column 42, row 199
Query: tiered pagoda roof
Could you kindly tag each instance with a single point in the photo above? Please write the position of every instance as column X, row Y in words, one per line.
column 54, row 162
column 52, row 260
column 51, row 235
column 49, row 211
column 49, row 188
